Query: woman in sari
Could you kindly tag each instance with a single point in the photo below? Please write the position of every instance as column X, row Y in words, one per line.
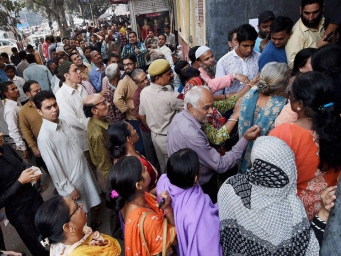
column 195, row 215
column 122, row 140
column 145, row 230
column 314, row 138
column 61, row 223
column 260, row 106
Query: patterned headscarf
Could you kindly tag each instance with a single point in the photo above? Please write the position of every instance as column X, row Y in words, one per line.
column 260, row 213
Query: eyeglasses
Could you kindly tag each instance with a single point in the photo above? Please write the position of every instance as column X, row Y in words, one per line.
column 128, row 64
column 144, row 80
column 102, row 102
column 77, row 207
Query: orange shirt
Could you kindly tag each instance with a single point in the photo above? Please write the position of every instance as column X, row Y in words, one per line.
column 310, row 180
column 152, row 227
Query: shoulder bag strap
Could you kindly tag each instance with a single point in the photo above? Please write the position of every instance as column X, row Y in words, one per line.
column 142, row 233
column 164, row 237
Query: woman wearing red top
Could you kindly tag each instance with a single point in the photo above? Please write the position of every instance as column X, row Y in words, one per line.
column 122, row 140
column 314, row 138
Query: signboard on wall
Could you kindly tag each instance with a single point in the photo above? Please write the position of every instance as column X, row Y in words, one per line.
column 201, row 10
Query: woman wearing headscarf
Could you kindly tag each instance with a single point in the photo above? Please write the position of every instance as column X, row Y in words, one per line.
column 195, row 215
column 259, row 211
column 314, row 138
column 261, row 105
column 61, row 223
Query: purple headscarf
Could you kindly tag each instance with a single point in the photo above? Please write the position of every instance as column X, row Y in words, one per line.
column 196, row 219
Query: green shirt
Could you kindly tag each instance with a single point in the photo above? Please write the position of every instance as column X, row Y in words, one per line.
column 97, row 141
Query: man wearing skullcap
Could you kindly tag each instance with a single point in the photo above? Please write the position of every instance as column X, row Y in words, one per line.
column 207, row 69
column 158, row 105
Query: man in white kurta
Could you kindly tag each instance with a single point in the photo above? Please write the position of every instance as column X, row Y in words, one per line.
column 70, row 99
column 63, row 156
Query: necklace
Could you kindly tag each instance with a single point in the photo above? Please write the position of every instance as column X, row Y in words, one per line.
column 145, row 206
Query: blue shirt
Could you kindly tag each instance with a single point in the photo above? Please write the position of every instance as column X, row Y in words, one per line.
column 3, row 76
column 257, row 44
column 95, row 77
column 39, row 73
column 271, row 53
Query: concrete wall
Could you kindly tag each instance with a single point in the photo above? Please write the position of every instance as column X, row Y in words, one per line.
column 224, row 15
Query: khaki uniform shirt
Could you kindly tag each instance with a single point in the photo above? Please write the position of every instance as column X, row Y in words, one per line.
column 301, row 38
column 124, row 97
column 159, row 104
column 97, row 140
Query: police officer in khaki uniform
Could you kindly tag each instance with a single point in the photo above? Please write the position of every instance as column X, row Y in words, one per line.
column 158, row 105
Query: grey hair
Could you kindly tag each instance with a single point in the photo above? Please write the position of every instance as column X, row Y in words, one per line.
column 135, row 73
column 112, row 71
column 193, row 95
column 274, row 78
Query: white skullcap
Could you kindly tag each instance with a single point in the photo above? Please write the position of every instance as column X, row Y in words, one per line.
column 201, row 50
column 59, row 49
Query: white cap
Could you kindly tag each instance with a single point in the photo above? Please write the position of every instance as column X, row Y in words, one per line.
column 59, row 49
column 201, row 50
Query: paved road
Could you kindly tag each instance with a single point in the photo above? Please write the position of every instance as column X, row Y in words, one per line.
column 12, row 239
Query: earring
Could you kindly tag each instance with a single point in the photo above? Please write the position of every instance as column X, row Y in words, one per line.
column 298, row 109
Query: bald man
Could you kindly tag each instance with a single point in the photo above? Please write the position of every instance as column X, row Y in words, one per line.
column 96, row 108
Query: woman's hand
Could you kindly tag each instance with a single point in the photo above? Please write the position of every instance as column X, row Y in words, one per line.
column 167, row 198
column 327, row 202
column 255, row 80
column 28, row 176
column 243, row 79
column 74, row 195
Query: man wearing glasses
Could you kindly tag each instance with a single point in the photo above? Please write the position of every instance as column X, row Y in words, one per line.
column 124, row 96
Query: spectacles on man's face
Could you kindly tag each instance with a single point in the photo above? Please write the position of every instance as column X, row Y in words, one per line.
column 101, row 103
column 77, row 207
column 128, row 64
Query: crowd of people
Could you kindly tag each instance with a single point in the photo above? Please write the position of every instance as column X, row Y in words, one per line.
column 238, row 156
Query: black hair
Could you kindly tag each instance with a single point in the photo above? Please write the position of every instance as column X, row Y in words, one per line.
column 163, row 35
column 14, row 49
column 315, row 90
column 65, row 38
column 50, row 219
column 230, row 34
column 246, row 32
column 281, row 23
column 86, row 48
column 131, row 57
column 188, row 73
column 327, row 59
column 117, row 134
column 29, row 46
column 308, row 2
column 30, row 58
column 53, row 50
column 47, row 38
column 191, row 53
column 41, row 96
column 4, row 54
column 113, row 55
column 123, row 176
column 8, row 67
column 301, row 58
column 132, row 32
column 87, row 108
column 27, row 85
column 71, row 54
column 182, row 167
column 52, row 39
column 22, row 55
column 180, row 65
column 58, row 39
column 167, row 26
column 4, row 87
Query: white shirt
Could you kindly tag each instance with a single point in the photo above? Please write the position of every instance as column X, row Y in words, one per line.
column 66, row 163
column 19, row 82
column 11, row 116
column 231, row 63
column 167, row 53
column 70, row 103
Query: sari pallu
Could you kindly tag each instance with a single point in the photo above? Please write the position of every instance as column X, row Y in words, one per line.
column 152, row 227
column 93, row 243
column 265, row 119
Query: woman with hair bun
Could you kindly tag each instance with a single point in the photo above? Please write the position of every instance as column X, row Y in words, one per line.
column 122, row 140
column 61, row 223
column 261, row 105
column 144, row 224
column 314, row 138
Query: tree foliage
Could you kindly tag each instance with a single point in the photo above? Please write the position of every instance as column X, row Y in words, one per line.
column 9, row 15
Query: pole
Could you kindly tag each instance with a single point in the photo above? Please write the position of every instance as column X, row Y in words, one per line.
column 92, row 15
